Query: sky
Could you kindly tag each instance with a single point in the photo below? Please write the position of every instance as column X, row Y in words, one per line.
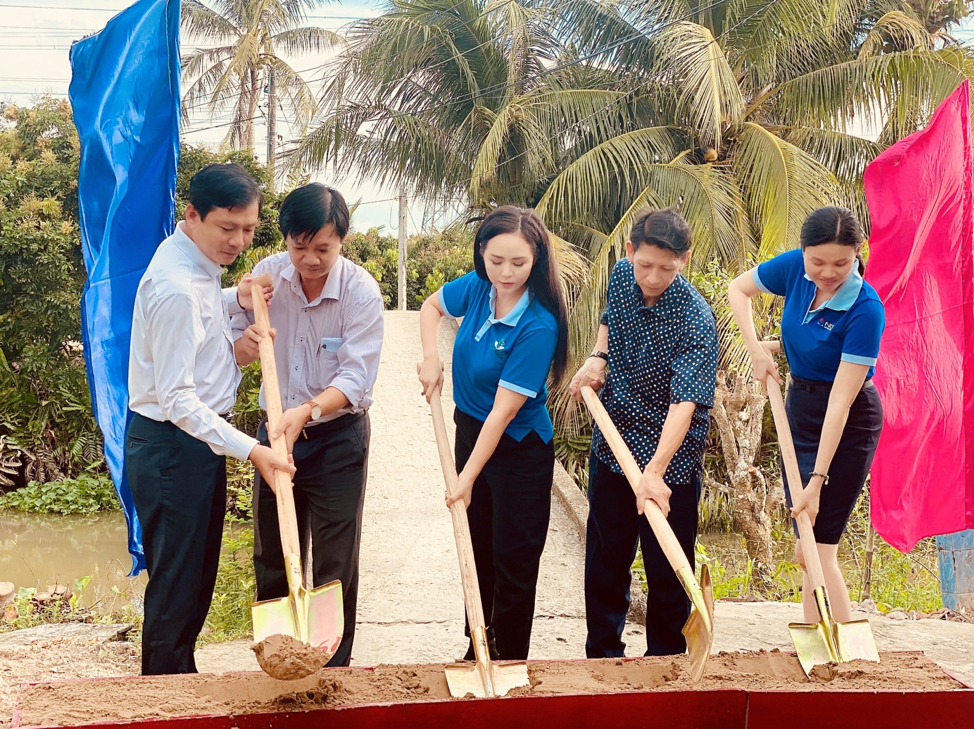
column 35, row 36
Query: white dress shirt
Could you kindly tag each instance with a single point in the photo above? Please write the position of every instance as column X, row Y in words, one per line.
column 181, row 364
column 333, row 341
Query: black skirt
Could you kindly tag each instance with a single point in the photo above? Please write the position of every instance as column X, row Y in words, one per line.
column 807, row 403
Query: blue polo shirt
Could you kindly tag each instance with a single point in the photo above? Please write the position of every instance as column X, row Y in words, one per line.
column 659, row 356
column 514, row 352
column 846, row 328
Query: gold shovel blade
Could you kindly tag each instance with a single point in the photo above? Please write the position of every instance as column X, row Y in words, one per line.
column 815, row 642
column 812, row 644
column 699, row 628
column 854, row 641
column 464, row 678
column 315, row 617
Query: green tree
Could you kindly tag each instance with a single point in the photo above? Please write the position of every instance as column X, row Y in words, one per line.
column 251, row 34
column 46, row 426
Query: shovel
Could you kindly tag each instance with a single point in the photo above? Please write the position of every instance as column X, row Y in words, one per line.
column 313, row 617
column 825, row 641
column 485, row 678
column 699, row 628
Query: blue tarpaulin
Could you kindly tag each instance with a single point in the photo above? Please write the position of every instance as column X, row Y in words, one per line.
column 125, row 95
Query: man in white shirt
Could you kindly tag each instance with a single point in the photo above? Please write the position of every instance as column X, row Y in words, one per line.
column 183, row 382
column 327, row 314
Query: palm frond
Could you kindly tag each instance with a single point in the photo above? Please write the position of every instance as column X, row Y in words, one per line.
column 584, row 185
column 898, row 30
column 710, row 96
column 782, row 184
column 307, row 40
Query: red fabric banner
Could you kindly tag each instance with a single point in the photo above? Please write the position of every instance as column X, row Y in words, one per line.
column 919, row 193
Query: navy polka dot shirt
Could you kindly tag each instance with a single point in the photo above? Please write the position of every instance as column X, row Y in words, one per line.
column 658, row 356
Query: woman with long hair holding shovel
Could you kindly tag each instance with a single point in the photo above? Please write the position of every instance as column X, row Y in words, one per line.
column 514, row 332
column 831, row 327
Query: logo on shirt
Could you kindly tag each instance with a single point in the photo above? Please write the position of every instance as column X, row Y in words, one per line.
column 827, row 324
column 500, row 344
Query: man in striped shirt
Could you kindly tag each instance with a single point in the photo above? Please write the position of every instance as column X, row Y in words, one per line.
column 327, row 315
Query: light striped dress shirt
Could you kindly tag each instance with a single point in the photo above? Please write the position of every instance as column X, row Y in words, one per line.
column 181, row 363
column 333, row 341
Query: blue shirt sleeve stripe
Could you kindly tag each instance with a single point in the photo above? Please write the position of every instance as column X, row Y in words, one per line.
column 859, row 360
column 516, row 388
column 758, row 282
column 443, row 305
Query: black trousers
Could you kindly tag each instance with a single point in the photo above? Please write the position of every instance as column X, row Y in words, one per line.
column 179, row 487
column 806, row 406
column 508, row 515
column 329, row 493
column 614, row 526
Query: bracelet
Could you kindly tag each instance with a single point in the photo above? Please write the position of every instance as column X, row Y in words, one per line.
column 600, row 355
column 823, row 476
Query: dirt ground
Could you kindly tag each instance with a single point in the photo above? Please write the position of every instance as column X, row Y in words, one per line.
column 73, row 703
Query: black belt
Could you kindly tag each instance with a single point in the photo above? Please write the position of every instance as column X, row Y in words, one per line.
column 227, row 416
column 800, row 383
column 320, row 430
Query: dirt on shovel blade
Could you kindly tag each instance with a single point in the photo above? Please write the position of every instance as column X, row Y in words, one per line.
column 288, row 659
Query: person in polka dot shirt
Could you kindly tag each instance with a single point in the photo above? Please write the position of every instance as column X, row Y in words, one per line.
column 655, row 360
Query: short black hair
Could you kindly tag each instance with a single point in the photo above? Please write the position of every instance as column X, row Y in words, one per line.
column 223, row 186
column 308, row 209
column 664, row 229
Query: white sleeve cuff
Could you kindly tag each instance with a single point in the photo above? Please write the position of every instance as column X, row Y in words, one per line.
column 233, row 306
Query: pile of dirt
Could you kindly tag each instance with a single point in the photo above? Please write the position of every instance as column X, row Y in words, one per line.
column 79, row 702
column 288, row 659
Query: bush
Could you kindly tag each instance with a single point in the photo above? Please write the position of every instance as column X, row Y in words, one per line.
column 45, row 411
column 433, row 259
column 86, row 494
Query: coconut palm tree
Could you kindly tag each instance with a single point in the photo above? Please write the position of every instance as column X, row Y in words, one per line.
column 251, row 35
column 431, row 93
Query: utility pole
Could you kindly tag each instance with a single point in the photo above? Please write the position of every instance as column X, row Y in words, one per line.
column 271, row 126
column 402, row 250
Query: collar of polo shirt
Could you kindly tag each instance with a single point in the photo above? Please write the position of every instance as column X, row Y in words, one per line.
column 333, row 284
column 186, row 245
column 842, row 300
column 513, row 316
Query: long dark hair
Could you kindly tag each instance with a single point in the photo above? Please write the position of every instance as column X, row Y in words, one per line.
column 543, row 281
column 833, row 224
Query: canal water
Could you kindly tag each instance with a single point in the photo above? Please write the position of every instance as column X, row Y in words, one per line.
column 38, row 550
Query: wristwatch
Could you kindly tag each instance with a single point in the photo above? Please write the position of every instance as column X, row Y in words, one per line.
column 315, row 409
column 601, row 355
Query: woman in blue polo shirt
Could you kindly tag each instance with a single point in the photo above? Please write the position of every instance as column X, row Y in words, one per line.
column 514, row 331
column 830, row 327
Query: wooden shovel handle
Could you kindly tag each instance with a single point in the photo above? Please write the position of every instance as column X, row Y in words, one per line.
column 661, row 527
column 286, row 515
column 793, row 482
column 461, row 528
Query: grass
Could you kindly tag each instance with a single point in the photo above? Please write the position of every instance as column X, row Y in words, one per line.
column 229, row 616
column 908, row 581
